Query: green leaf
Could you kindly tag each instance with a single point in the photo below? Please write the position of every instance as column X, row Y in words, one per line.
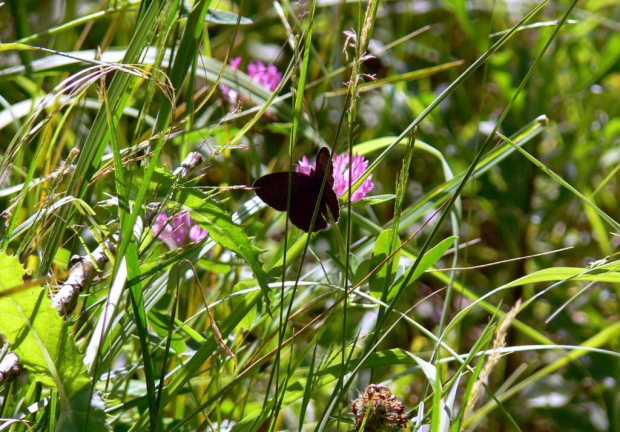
column 15, row 47
column 41, row 339
column 375, row 199
column 600, row 274
column 160, row 323
column 12, row 271
column 74, row 417
column 385, row 275
column 248, row 320
column 429, row 370
column 428, row 260
column 222, row 229
column 231, row 236
column 163, row 182
column 215, row 266
column 362, row 270
column 293, row 252
column 218, row 16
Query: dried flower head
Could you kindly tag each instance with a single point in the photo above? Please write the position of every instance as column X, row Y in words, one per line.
column 383, row 413
column 340, row 171
column 267, row 76
column 179, row 230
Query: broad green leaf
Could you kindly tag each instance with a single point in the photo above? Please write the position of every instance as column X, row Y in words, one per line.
column 74, row 417
column 293, row 252
column 231, row 236
column 362, row 270
column 214, row 266
column 248, row 320
column 430, row 371
column 41, row 339
column 163, row 182
column 602, row 274
column 219, row 224
column 428, row 260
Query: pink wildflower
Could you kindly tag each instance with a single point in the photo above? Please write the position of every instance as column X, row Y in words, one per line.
column 304, row 166
column 267, row 76
column 340, row 170
column 179, row 230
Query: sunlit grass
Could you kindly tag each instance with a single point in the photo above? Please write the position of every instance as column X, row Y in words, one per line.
column 475, row 287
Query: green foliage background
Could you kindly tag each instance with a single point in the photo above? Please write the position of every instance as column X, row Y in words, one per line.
column 251, row 329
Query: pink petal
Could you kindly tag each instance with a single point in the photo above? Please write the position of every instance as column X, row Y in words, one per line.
column 304, row 166
column 252, row 70
column 179, row 230
column 197, row 234
column 341, row 168
column 234, row 63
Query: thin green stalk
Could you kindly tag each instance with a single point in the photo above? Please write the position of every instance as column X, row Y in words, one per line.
column 375, row 338
column 615, row 225
column 98, row 137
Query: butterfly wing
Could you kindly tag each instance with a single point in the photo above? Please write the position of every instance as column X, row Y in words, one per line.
column 330, row 200
column 323, row 165
column 303, row 204
column 305, row 190
column 273, row 188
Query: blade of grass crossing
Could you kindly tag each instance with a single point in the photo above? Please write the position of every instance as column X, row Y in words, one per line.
column 166, row 354
column 133, row 268
column 481, row 343
column 447, row 92
column 471, row 169
column 297, row 113
column 485, row 145
column 436, row 414
column 308, row 390
column 401, row 186
column 206, row 350
column 183, row 61
column 86, row 19
column 160, row 52
column 97, row 139
column 604, row 336
column 119, row 176
column 563, row 182
column 378, row 328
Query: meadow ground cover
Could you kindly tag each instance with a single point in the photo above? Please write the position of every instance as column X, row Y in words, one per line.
column 460, row 158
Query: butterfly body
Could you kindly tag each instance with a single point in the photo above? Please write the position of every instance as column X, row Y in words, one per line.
column 305, row 194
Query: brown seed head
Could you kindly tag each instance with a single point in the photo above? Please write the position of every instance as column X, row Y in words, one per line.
column 385, row 412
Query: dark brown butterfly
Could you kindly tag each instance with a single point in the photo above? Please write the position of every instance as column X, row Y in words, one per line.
column 305, row 190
